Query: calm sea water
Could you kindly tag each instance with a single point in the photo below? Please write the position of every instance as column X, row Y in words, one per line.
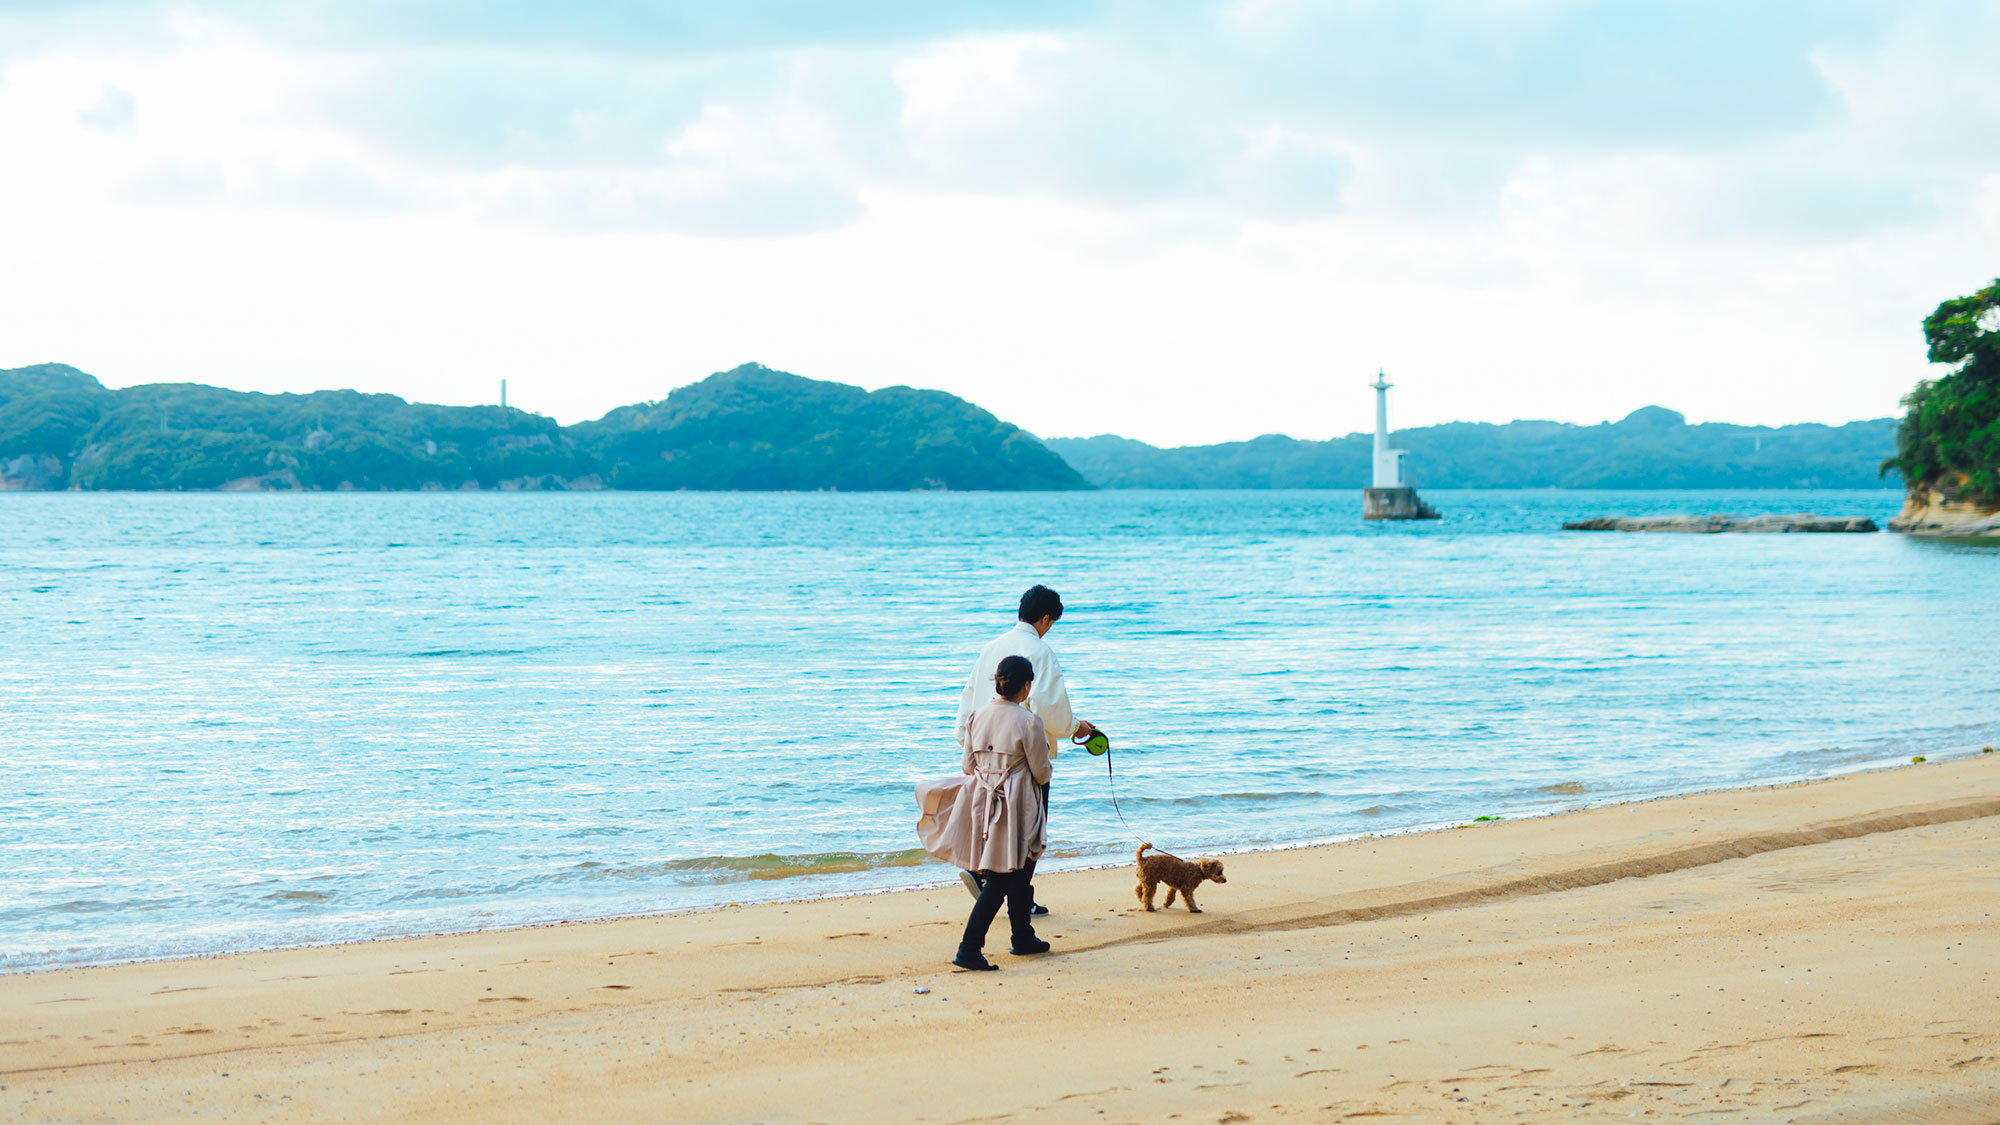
column 245, row 721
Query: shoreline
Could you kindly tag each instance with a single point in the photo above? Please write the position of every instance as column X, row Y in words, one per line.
column 1774, row 953
column 951, row 881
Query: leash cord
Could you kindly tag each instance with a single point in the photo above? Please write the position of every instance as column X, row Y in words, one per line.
column 1113, row 785
column 1112, row 782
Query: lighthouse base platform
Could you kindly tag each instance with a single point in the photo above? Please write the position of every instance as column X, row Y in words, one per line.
column 1395, row 504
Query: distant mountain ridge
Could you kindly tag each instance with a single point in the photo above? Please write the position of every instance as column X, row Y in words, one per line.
column 1652, row 447
column 753, row 428
column 750, row 428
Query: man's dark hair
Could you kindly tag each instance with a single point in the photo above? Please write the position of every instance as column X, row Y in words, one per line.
column 1040, row 602
column 1015, row 672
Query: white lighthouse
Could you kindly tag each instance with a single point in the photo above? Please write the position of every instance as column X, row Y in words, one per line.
column 1388, row 462
column 1390, row 497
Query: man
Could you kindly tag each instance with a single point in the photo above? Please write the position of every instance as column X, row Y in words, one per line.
column 1048, row 695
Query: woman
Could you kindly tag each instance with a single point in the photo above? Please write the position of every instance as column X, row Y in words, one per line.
column 990, row 820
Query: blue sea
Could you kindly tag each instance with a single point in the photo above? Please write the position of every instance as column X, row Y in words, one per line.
column 249, row 721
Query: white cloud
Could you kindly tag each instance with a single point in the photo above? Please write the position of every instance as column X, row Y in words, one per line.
column 1183, row 224
column 112, row 112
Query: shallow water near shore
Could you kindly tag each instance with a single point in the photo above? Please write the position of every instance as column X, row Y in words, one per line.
column 246, row 721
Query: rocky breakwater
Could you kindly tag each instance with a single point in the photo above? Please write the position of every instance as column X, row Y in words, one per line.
column 1709, row 525
column 1939, row 512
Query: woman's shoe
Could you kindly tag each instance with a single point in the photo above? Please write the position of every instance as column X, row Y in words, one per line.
column 977, row 962
column 1029, row 948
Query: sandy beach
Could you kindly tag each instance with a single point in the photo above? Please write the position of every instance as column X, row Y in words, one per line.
column 1815, row 952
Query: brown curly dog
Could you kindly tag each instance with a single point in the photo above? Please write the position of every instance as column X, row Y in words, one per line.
column 1179, row 875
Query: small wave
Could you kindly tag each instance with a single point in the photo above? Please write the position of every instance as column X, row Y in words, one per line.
column 297, row 896
column 742, row 868
column 472, row 652
column 1566, row 789
column 1219, row 798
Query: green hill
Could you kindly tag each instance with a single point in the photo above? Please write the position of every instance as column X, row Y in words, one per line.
column 1650, row 448
column 755, row 428
column 60, row 428
column 751, row 428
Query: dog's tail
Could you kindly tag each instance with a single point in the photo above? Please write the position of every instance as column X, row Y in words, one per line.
column 1141, row 853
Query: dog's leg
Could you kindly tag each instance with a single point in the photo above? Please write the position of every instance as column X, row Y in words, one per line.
column 1171, row 892
column 1144, row 893
column 1187, row 896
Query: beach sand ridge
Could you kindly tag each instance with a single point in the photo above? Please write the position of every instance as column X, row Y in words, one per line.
column 1819, row 951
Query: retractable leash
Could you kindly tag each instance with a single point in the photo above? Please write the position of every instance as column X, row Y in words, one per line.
column 1099, row 745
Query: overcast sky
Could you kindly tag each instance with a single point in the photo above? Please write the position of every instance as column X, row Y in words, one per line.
column 1181, row 222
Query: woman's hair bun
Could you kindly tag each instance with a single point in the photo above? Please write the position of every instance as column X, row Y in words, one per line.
column 1014, row 673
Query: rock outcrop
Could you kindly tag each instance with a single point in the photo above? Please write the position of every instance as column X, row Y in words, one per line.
column 1936, row 512
column 30, row 472
column 1708, row 525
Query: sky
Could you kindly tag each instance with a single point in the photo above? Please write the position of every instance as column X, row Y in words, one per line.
column 1180, row 222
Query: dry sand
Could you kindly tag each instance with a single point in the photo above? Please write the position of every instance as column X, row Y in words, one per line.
column 1818, row 952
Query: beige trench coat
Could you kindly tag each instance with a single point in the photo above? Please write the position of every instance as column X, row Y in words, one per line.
column 989, row 818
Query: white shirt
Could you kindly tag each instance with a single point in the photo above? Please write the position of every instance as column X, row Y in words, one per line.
column 1048, row 696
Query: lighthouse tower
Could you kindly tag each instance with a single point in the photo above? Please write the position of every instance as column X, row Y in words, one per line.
column 1388, row 462
column 1390, row 497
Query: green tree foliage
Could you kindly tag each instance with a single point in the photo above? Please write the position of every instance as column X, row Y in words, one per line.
column 755, row 428
column 751, row 428
column 47, row 409
column 184, row 459
column 190, row 436
column 1950, row 439
column 1651, row 448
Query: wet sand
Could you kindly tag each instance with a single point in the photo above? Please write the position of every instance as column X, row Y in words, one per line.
column 1819, row 952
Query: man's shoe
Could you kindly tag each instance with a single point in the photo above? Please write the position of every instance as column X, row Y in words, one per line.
column 1029, row 948
column 971, row 882
column 1038, row 911
column 977, row 962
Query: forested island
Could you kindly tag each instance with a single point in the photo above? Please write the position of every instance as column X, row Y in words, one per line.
column 1948, row 445
column 1652, row 447
column 750, row 428
column 756, row 429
